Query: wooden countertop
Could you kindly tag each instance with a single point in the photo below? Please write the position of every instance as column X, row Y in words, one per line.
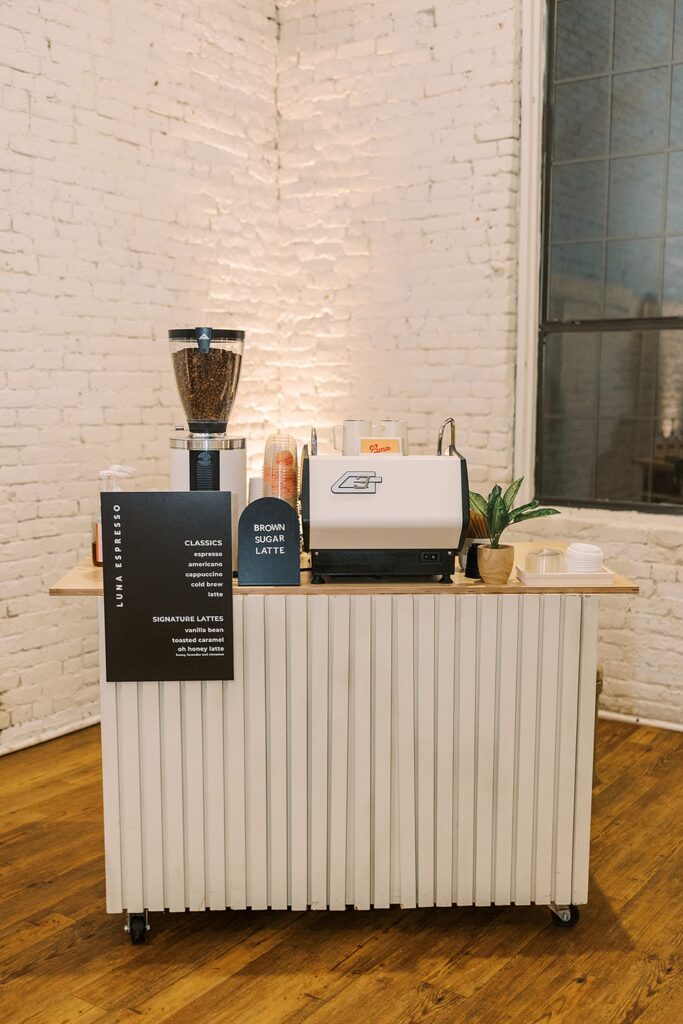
column 85, row 580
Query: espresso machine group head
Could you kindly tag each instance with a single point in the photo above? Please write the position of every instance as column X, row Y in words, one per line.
column 207, row 363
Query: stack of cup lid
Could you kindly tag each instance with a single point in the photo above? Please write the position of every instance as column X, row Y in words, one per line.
column 280, row 468
column 584, row 558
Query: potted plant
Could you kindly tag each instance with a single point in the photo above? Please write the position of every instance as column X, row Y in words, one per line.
column 495, row 559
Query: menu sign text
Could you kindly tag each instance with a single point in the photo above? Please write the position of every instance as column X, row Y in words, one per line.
column 167, row 585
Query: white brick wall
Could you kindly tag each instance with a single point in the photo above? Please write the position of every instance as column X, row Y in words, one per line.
column 398, row 170
column 348, row 195
column 138, row 169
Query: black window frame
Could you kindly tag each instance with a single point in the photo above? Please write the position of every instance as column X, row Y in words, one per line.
column 547, row 327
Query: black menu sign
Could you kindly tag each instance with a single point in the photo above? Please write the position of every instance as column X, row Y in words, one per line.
column 168, row 585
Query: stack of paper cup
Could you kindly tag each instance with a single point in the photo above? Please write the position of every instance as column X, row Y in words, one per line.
column 584, row 558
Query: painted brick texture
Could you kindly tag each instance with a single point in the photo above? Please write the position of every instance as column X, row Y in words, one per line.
column 138, row 181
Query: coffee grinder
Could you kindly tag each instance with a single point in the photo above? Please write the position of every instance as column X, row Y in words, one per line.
column 207, row 363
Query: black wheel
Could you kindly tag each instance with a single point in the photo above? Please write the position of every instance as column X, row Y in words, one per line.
column 138, row 929
column 574, row 916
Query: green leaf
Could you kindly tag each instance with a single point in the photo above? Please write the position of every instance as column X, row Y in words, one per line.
column 512, row 492
column 478, row 502
column 498, row 517
column 536, row 513
column 523, row 509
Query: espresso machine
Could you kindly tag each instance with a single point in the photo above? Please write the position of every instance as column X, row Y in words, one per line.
column 207, row 362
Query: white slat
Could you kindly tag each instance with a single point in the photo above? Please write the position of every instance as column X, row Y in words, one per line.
column 424, row 705
column 466, row 763
column 361, row 624
column 276, row 718
column 339, row 722
column 505, row 767
column 547, row 745
column 318, row 655
column 255, row 752
column 404, row 644
column 235, row 783
column 214, row 794
column 566, row 757
column 526, row 751
column 110, row 777
column 129, row 796
column 150, row 794
column 381, row 753
column 486, row 738
column 445, row 684
column 584, row 747
column 193, row 794
column 172, row 796
column 297, row 676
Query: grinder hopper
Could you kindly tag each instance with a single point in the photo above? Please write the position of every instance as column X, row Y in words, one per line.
column 207, row 365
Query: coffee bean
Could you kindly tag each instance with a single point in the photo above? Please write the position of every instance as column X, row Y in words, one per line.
column 207, row 382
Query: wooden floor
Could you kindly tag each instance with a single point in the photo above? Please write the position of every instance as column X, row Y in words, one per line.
column 62, row 959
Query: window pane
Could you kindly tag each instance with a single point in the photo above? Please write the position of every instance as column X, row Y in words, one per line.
column 624, row 459
column 567, row 458
column 636, row 195
column 640, row 111
column 676, row 131
column 633, row 278
column 584, row 38
column 643, row 32
column 579, row 201
column 672, row 304
column 674, row 199
column 571, row 374
column 581, row 119
column 611, row 426
column 576, row 283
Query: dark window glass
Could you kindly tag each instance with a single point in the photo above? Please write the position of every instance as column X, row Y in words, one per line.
column 610, row 410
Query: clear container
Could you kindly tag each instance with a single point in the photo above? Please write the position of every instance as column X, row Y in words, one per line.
column 207, row 364
column 280, row 468
column 545, row 560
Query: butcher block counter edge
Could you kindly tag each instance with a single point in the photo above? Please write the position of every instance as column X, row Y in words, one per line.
column 85, row 580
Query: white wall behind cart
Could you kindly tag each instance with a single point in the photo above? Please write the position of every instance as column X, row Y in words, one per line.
column 138, row 184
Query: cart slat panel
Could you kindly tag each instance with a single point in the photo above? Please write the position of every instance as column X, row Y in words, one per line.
column 318, row 659
column 547, row 747
column 297, row 766
column 526, row 751
column 193, row 794
column 129, row 788
column 361, row 631
column 172, row 796
column 276, row 724
column 255, row 744
column 214, row 793
column 338, row 749
column 425, row 766
column 566, row 756
column 444, row 754
column 485, row 701
column 584, row 748
column 466, row 691
column 234, row 729
column 405, row 653
column 150, row 776
column 381, row 796
column 505, row 764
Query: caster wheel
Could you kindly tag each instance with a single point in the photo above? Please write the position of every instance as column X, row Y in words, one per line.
column 560, row 922
column 138, row 929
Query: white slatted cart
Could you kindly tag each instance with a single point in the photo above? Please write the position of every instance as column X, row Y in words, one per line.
column 413, row 744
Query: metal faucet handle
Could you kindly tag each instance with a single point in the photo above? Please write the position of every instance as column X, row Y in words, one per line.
column 452, row 450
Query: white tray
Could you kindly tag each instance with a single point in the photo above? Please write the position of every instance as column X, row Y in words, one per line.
column 604, row 578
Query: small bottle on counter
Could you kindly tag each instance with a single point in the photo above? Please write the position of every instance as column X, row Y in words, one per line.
column 109, row 481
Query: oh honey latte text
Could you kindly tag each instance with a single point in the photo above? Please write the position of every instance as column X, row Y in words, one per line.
column 269, row 538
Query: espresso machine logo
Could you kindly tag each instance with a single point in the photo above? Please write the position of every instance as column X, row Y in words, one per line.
column 357, row 481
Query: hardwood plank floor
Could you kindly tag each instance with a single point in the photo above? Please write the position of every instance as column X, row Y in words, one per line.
column 63, row 960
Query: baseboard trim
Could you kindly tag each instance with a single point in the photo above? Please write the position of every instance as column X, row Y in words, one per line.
column 49, row 734
column 653, row 723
